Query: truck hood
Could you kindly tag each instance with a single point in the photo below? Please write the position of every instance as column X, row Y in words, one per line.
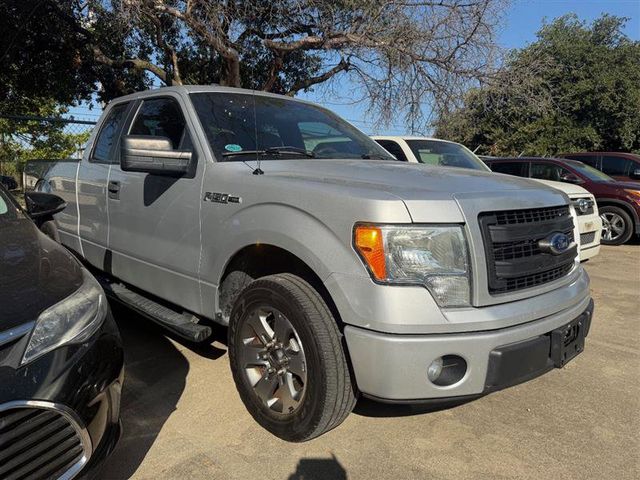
column 568, row 188
column 430, row 194
column 405, row 180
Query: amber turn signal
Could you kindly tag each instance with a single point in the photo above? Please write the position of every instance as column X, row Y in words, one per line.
column 369, row 243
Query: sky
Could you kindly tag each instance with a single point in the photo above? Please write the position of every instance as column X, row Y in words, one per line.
column 523, row 19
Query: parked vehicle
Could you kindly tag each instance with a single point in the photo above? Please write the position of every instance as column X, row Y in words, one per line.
column 618, row 202
column 337, row 268
column 8, row 182
column 618, row 165
column 61, row 358
column 435, row 151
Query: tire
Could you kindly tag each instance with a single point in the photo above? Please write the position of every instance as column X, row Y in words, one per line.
column 617, row 226
column 309, row 390
column 49, row 229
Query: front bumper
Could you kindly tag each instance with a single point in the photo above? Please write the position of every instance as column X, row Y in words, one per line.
column 393, row 368
column 81, row 382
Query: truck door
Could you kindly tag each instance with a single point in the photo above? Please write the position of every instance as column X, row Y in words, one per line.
column 154, row 233
column 91, row 185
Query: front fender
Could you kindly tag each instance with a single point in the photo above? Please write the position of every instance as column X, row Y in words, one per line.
column 323, row 249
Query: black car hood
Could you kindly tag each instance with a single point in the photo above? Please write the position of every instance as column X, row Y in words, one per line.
column 35, row 272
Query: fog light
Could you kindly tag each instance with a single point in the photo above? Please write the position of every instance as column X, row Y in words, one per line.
column 446, row 370
column 435, row 369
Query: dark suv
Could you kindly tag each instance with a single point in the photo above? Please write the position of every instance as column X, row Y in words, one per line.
column 619, row 165
column 618, row 202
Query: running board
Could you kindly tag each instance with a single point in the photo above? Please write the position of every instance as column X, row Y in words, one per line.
column 182, row 324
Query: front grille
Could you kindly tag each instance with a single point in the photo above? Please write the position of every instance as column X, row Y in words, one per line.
column 532, row 215
column 586, row 238
column 515, row 259
column 37, row 443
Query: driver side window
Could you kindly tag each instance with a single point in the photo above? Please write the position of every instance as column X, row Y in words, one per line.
column 162, row 117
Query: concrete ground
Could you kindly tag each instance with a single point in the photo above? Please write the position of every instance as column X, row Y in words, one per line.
column 183, row 418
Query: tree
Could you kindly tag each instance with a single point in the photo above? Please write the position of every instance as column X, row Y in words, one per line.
column 575, row 88
column 33, row 137
column 401, row 53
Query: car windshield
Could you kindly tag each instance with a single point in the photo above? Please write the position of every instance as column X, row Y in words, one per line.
column 241, row 126
column 446, row 154
column 591, row 173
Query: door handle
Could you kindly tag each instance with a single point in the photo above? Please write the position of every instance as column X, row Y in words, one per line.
column 114, row 190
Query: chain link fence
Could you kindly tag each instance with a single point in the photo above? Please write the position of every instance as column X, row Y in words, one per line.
column 24, row 138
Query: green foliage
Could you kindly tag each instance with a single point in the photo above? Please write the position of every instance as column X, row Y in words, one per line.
column 576, row 88
column 22, row 140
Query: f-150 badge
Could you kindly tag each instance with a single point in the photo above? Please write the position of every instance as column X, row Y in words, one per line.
column 216, row 197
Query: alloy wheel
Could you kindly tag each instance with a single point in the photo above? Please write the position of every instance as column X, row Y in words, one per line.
column 273, row 360
column 613, row 226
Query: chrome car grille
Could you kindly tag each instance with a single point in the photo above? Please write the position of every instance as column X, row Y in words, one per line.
column 40, row 443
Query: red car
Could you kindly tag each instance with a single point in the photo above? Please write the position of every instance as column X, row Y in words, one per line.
column 618, row 202
column 619, row 165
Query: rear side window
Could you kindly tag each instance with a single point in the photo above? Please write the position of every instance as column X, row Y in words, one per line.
column 548, row 171
column 160, row 117
column 393, row 148
column 615, row 165
column 103, row 151
column 591, row 160
column 519, row 169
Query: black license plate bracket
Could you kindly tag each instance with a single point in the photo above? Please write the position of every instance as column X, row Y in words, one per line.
column 567, row 342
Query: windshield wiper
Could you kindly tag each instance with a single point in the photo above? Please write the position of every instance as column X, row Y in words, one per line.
column 288, row 150
column 369, row 156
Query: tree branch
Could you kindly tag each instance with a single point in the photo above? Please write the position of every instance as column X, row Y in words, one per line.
column 344, row 65
column 136, row 63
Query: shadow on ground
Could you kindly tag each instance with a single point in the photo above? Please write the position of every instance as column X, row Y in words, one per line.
column 369, row 408
column 319, row 469
column 155, row 373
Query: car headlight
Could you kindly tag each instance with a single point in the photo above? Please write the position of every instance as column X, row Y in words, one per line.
column 72, row 320
column 434, row 256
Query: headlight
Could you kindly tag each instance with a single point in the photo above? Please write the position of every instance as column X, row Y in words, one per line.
column 433, row 256
column 635, row 195
column 72, row 320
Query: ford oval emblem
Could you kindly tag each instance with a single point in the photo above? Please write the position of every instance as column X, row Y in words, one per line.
column 556, row 243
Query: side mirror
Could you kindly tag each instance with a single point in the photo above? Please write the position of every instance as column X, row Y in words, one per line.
column 142, row 153
column 635, row 173
column 40, row 204
column 570, row 178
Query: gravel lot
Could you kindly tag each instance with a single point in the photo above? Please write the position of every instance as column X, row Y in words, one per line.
column 183, row 418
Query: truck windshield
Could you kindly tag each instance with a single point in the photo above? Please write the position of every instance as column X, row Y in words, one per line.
column 240, row 126
column 445, row 154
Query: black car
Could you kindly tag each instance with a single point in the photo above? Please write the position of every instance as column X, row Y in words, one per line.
column 61, row 357
column 8, row 182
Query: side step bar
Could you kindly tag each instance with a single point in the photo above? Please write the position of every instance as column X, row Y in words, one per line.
column 182, row 324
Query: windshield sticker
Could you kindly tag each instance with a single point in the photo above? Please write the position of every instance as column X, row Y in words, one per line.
column 233, row 147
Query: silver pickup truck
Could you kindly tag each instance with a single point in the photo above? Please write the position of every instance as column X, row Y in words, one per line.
column 339, row 271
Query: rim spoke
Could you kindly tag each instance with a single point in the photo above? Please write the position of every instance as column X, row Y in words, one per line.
column 285, row 395
column 251, row 354
column 266, row 386
column 297, row 365
column 258, row 323
column 282, row 329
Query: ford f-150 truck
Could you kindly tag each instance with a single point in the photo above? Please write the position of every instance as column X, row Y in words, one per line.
column 339, row 270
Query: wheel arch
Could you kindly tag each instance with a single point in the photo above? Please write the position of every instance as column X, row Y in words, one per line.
column 613, row 202
column 259, row 260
